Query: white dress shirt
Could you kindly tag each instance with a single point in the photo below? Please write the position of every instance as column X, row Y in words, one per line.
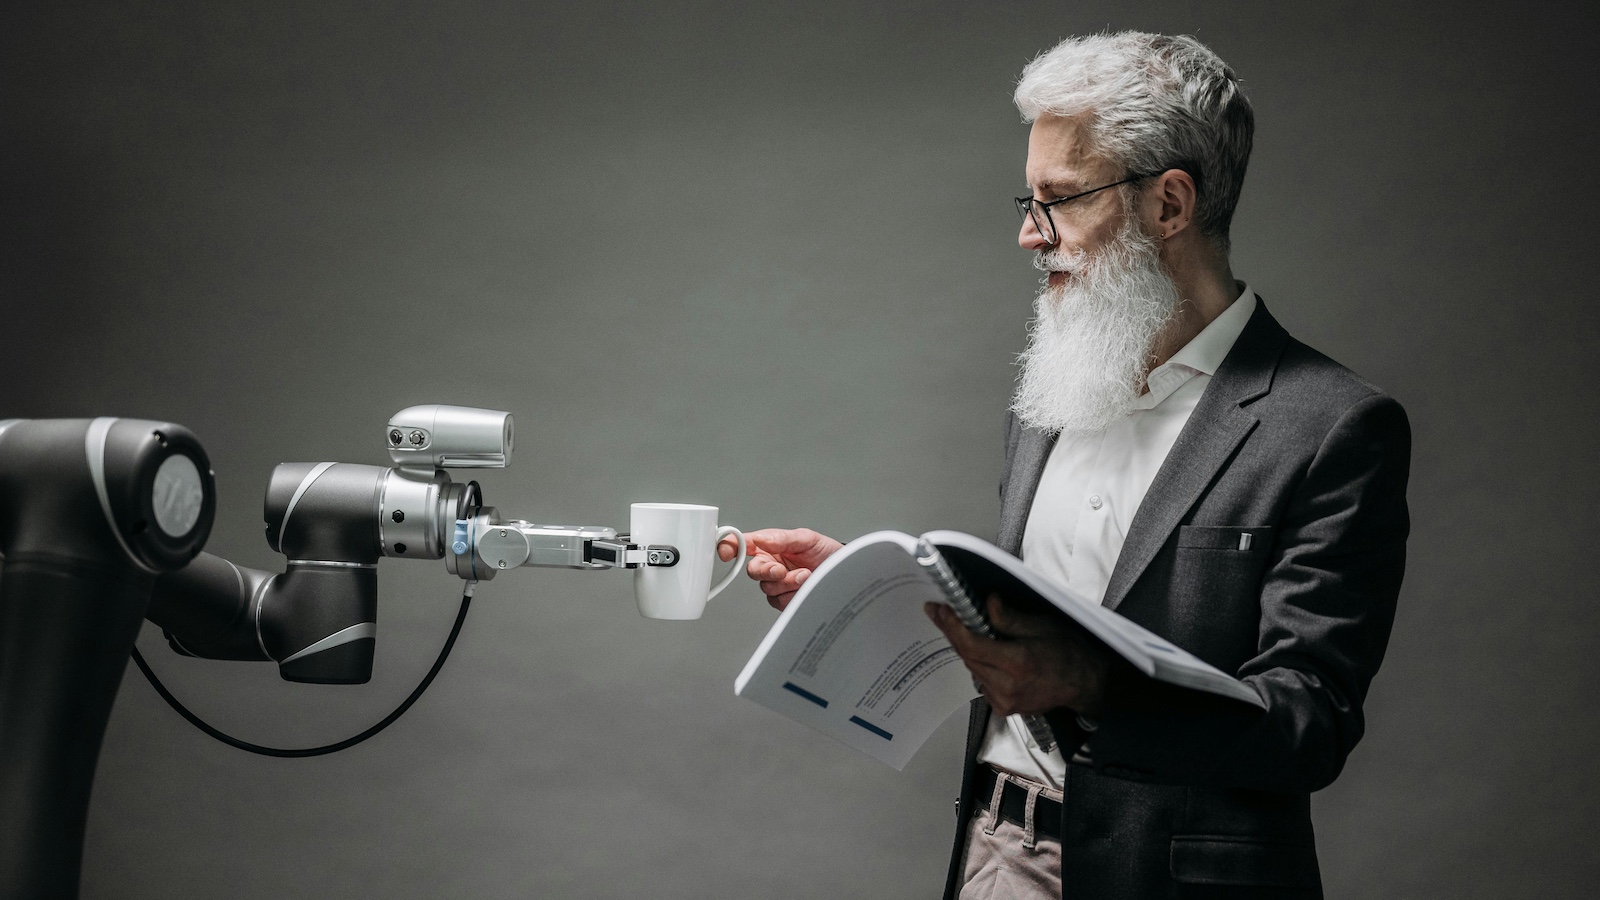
column 1091, row 487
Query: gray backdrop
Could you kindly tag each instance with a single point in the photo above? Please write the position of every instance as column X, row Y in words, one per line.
column 765, row 259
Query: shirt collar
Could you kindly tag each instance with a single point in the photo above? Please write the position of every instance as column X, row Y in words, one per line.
column 1202, row 355
column 1205, row 352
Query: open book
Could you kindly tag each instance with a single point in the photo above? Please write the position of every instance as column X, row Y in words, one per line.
column 855, row 657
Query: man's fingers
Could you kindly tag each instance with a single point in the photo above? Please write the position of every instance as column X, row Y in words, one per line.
column 801, row 545
column 981, row 654
column 781, row 559
column 956, row 633
column 789, row 581
column 1002, row 619
column 1013, row 624
column 974, row 651
column 762, row 568
column 777, row 540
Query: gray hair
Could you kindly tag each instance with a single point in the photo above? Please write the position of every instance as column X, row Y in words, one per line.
column 1152, row 102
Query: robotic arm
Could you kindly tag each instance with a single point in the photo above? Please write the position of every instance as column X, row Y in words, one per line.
column 334, row 521
column 101, row 525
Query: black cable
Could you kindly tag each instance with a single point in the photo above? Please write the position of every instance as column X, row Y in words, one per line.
column 196, row 721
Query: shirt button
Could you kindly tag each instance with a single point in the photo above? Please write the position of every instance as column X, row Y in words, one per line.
column 1095, row 502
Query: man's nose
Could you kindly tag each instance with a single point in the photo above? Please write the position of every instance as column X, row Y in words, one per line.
column 1030, row 239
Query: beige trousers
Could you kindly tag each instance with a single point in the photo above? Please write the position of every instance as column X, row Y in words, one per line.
column 1006, row 861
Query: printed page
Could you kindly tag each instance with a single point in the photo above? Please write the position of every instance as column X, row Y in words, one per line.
column 854, row 656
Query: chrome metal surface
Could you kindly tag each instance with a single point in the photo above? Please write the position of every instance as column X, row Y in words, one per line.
column 452, row 437
column 414, row 513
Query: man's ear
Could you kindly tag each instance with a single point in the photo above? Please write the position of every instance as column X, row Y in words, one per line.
column 1169, row 204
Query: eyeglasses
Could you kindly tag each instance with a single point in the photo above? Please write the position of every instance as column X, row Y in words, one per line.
column 1027, row 206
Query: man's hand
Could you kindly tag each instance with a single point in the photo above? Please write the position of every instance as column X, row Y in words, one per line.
column 1039, row 664
column 781, row 559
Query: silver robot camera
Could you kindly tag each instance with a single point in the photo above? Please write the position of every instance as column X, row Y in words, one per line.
column 450, row 437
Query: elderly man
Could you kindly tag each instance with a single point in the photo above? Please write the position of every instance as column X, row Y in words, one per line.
column 1174, row 452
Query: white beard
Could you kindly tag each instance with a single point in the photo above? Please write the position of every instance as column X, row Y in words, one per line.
column 1090, row 344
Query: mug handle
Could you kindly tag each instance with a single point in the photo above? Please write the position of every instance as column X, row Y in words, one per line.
column 738, row 559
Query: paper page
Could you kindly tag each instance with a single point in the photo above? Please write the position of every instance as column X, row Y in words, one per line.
column 855, row 657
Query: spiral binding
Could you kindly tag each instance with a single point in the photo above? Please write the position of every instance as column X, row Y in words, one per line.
column 954, row 590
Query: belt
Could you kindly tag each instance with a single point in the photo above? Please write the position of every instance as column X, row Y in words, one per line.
column 1014, row 804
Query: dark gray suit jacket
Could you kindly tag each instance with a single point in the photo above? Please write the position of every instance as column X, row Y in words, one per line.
column 1185, row 798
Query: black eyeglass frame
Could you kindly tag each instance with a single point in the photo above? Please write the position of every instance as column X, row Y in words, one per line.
column 1027, row 205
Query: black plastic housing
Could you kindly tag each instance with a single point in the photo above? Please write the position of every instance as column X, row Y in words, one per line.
column 75, row 583
column 310, row 618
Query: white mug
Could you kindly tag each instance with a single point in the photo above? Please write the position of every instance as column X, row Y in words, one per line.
column 679, row 591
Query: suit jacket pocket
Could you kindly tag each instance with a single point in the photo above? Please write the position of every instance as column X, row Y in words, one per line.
column 1239, row 860
column 1215, row 608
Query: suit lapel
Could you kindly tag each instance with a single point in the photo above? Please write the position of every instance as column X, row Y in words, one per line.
column 1027, row 467
column 1215, row 429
